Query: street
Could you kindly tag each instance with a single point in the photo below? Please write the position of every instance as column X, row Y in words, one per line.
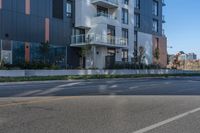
column 145, row 105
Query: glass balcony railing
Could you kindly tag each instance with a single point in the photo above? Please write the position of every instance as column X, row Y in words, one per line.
column 99, row 40
column 99, row 14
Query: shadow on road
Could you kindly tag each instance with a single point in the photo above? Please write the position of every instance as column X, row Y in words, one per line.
column 113, row 87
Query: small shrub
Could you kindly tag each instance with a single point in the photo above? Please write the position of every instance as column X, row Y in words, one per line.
column 133, row 66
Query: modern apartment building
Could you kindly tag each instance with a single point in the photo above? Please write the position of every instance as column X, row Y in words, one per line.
column 89, row 33
column 187, row 57
column 191, row 56
column 149, row 32
column 25, row 24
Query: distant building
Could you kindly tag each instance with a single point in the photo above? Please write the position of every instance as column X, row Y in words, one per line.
column 183, row 61
column 171, row 58
column 191, row 56
column 186, row 57
column 182, row 57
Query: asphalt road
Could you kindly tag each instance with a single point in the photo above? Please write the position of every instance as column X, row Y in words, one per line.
column 156, row 105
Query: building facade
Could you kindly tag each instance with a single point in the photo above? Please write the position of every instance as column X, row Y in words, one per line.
column 191, row 56
column 149, row 32
column 187, row 57
column 87, row 33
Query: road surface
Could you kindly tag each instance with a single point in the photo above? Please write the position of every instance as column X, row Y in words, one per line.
column 146, row 105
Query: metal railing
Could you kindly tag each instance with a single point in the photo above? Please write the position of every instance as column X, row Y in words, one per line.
column 93, row 38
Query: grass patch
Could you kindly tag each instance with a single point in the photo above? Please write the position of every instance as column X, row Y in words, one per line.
column 19, row 79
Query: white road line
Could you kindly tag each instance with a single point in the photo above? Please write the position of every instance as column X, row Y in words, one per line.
column 59, row 88
column 27, row 93
column 146, row 129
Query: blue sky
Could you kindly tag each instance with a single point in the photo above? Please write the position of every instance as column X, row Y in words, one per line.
column 183, row 25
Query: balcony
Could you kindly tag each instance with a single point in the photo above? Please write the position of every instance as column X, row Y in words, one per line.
column 105, row 19
column 109, row 16
column 163, row 32
column 98, row 39
column 163, row 19
column 106, row 3
column 163, row 3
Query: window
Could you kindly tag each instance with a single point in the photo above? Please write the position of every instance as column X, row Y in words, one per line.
column 78, row 35
column 155, row 8
column 124, row 16
column 58, row 9
column 69, row 9
column 135, row 36
column 157, row 42
column 125, row 55
column 125, row 36
column 101, row 11
column 137, row 20
column 111, row 34
column 135, row 44
column 137, row 4
column 155, row 25
column 126, row 2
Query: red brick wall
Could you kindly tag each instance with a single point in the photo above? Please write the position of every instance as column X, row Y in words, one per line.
column 162, row 45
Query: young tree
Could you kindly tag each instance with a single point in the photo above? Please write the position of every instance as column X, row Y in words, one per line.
column 141, row 54
column 176, row 62
column 157, row 55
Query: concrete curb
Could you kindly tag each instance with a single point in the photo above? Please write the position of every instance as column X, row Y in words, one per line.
column 32, row 73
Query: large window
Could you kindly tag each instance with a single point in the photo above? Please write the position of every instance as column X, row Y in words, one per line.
column 124, row 16
column 125, row 36
column 126, row 2
column 102, row 11
column 155, row 25
column 125, row 55
column 135, row 44
column 137, row 4
column 137, row 20
column 155, row 8
column 69, row 8
column 111, row 34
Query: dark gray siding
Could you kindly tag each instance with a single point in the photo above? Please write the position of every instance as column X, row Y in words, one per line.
column 21, row 27
column 31, row 28
column 146, row 17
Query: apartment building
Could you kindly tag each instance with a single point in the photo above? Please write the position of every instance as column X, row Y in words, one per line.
column 107, row 26
column 187, row 57
column 25, row 24
column 149, row 32
column 87, row 33
column 191, row 56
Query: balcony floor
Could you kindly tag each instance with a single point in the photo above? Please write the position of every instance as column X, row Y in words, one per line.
column 106, row 4
column 98, row 44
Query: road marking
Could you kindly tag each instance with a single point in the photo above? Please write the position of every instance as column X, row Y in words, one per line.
column 28, row 93
column 36, row 101
column 146, row 129
column 59, row 88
